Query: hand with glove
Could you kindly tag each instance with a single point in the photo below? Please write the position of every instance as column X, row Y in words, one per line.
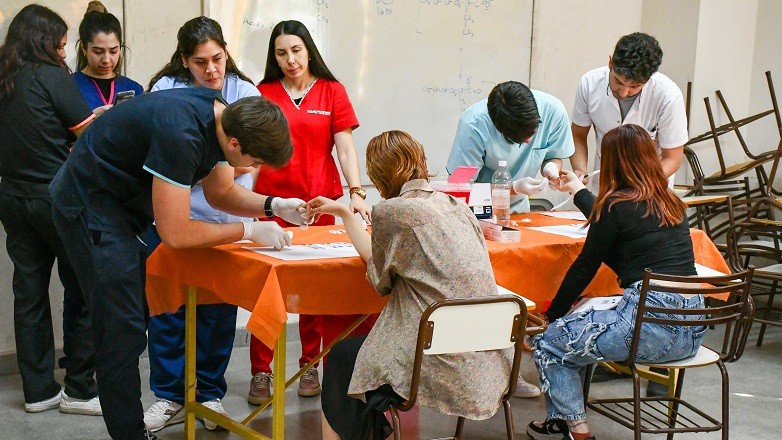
column 570, row 182
column 266, row 233
column 551, row 172
column 291, row 210
column 530, row 186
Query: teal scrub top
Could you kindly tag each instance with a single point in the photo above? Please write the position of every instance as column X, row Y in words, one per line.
column 480, row 144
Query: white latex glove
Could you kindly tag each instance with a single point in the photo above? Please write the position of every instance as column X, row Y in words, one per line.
column 292, row 210
column 530, row 186
column 551, row 170
column 266, row 233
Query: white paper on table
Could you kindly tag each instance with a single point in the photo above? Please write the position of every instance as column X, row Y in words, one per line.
column 308, row 251
column 573, row 231
column 597, row 303
column 569, row 215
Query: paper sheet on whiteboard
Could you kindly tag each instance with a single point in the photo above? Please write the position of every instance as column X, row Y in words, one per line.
column 568, row 215
column 572, row 231
column 308, row 251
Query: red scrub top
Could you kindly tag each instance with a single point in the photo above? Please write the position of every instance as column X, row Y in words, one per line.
column 312, row 171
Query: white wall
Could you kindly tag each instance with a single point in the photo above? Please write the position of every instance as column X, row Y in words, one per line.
column 720, row 44
column 764, row 135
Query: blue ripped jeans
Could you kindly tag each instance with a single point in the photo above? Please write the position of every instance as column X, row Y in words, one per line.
column 574, row 341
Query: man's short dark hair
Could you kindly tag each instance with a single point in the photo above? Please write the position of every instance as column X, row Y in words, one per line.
column 261, row 129
column 637, row 57
column 513, row 111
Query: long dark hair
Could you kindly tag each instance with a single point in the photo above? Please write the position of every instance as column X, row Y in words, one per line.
column 34, row 37
column 631, row 171
column 93, row 23
column 292, row 27
column 194, row 32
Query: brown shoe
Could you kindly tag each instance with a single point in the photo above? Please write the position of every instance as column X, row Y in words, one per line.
column 260, row 388
column 309, row 385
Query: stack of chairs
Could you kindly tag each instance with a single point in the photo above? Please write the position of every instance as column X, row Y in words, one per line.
column 743, row 225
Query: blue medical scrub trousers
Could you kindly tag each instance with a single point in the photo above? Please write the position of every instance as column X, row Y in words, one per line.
column 215, row 327
column 215, row 330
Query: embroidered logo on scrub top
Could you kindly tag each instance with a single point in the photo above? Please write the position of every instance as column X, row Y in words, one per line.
column 320, row 112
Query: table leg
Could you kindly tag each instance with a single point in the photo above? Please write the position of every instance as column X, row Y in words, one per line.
column 278, row 395
column 190, row 362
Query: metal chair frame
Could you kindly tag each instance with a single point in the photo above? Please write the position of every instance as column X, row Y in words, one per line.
column 671, row 415
column 432, row 337
column 765, row 247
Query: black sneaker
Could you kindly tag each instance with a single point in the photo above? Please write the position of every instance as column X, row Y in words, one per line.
column 603, row 374
column 553, row 429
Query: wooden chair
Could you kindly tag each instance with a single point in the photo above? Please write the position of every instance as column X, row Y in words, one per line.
column 471, row 325
column 759, row 243
column 670, row 415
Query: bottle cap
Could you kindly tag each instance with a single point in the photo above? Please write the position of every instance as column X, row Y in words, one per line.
column 503, row 163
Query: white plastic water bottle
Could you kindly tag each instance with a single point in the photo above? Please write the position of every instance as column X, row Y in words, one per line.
column 500, row 194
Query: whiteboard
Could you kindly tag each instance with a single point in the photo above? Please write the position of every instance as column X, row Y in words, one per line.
column 72, row 11
column 412, row 65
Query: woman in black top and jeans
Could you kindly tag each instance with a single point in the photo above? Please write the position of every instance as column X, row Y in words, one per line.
column 635, row 223
column 41, row 113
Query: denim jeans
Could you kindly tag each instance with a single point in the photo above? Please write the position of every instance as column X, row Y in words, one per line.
column 575, row 341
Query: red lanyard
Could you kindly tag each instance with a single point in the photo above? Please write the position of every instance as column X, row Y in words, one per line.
column 100, row 93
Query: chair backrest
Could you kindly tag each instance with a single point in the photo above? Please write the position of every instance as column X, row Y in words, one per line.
column 735, row 308
column 750, row 240
column 463, row 325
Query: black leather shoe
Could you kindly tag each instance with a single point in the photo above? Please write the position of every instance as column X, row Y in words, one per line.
column 603, row 374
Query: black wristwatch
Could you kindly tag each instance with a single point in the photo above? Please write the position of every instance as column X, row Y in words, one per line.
column 267, row 207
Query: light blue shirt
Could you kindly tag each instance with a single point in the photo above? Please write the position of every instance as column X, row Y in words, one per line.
column 234, row 88
column 480, row 144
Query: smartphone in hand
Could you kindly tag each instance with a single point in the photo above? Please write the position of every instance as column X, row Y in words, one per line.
column 124, row 96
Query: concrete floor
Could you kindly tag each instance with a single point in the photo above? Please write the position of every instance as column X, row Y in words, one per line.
column 756, row 405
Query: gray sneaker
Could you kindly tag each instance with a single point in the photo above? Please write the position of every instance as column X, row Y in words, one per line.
column 163, row 413
column 72, row 405
column 260, row 388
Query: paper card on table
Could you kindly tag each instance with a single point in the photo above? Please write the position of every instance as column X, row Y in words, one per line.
column 308, row 251
column 572, row 231
column 569, row 215
column 597, row 303
column 704, row 271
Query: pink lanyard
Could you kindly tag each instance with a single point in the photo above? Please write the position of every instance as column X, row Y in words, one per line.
column 111, row 92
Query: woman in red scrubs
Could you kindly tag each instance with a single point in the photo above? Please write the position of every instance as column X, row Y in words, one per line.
column 321, row 118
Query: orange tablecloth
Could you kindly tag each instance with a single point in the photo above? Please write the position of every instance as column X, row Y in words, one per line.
column 269, row 287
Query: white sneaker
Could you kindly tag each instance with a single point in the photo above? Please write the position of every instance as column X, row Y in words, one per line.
column 216, row 406
column 525, row 389
column 163, row 413
column 72, row 405
column 43, row 405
